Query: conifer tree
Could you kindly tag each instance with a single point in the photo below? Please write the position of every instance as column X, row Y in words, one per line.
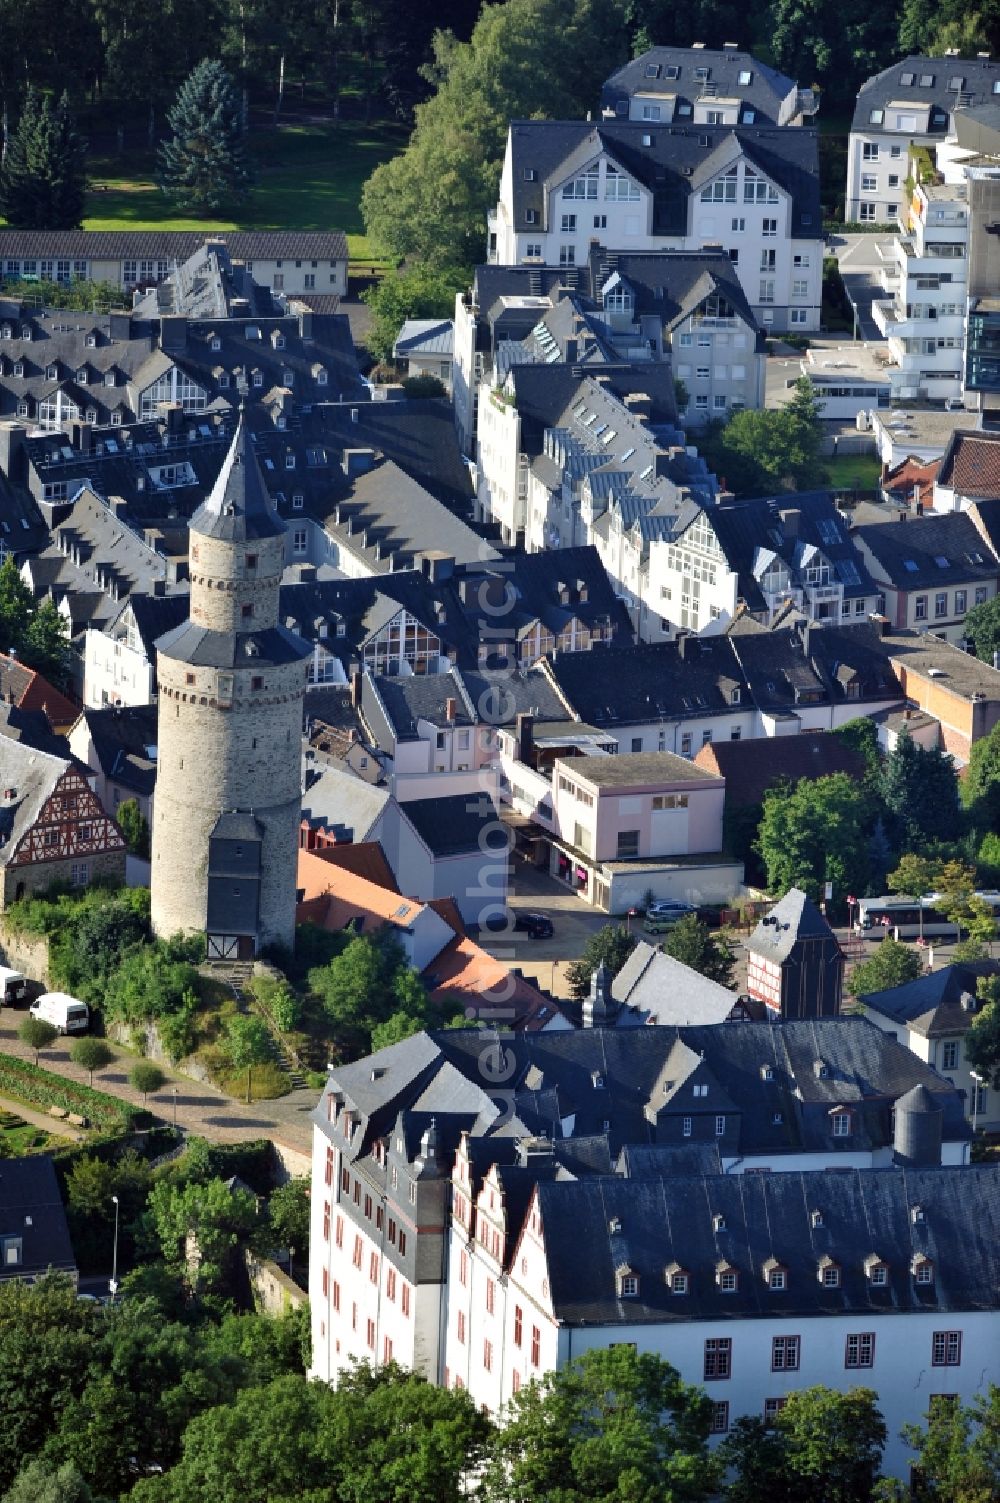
column 204, row 165
column 42, row 180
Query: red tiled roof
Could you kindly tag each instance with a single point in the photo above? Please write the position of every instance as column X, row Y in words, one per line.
column 27, row 689
column 912, row 472
column 364, row 858
column 971, row 465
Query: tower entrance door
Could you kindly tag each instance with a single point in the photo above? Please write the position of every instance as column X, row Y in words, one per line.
column 223, row 947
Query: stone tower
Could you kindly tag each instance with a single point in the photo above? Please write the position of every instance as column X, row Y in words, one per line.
column 231, row 684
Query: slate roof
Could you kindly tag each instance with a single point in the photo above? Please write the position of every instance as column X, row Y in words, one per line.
column 272, row 647
column 668, row 72
column 743, row 528
column 105, row 362
column 656, row 988
column 924, row 553
column 452, row 825
column 391, row 518
column 157, row 244
column 751, row 767
column 239, row 509
column 613, row 686
column 648, row 1224
column 933, row 1004
column 32, row 728
column 343, row 804
column 671, row 284
column 408, row 698
column 902, row 83
column 31, row 1209
column 123, row 738
column 645, row 1075
column 672, row 167
column 971, row 464
column 22, row 527
column 793, row 917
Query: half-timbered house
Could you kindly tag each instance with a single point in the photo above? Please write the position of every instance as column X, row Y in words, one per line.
column 52, row 825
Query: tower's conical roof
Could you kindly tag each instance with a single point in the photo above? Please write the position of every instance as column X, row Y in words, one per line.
column 238, row 508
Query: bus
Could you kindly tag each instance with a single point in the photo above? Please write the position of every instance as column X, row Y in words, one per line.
column 909, row 918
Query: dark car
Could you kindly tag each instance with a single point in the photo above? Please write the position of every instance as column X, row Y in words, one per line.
column 535, row 924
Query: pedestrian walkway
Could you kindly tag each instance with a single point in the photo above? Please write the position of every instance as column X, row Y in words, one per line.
column 197, row 1108
column 42, row 1120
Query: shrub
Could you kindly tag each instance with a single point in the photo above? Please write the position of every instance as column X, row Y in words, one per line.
column 421, row 387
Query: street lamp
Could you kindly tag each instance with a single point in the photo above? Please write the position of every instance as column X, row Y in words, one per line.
column 291, row 1262
column 175, row 1108
column 113, row 1285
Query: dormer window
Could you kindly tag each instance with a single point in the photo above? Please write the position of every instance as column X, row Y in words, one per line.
column 216, row 342
column 676, row 1278
column 916, row 1214
column 876, row 1271
column 627, row 1281
column 767, row 1072
column 828, row 1273
column 840, row 1122
column 82, row 377
column 18, row 367
column 727, row 1277
column 615, row 1226
column 718, row 1223
column 821, row 1070
column 922, row 1269
column 91, row 341
column 597, row 1080
column 699, row 1090
column 775, row 1274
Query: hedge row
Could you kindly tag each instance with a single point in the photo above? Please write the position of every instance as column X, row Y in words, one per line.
column 41, row 1088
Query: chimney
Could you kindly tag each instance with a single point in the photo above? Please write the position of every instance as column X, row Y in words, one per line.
column 532, row 1151
column 809, row 634
column 881, row 622
column 305, row 323
column 571, row 347
column 357, row 680
column 682, row 650
column 639, row 403
column 173, row 331
column 451, row 710
column 437, row 566
column 11, row 440
column 173, row 412
column 790, row 521
column 524, row 730
column 120, row 325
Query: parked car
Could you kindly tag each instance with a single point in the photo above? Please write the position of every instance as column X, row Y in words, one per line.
column 662, row 916
column 538, row 925
column 64, row 1012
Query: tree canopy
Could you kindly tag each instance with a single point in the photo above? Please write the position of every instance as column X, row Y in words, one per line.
column 614, row 1426
column 38, row 633
column 694, row 944
column 611, row 946
column 42, row 176
column 430, row 203
column 816, row 832
column 892, row 964
column 982, row 626
column 204, row 163
column 776, row 449
column 982, row 1042
column 920, row 792
column 821, row 1444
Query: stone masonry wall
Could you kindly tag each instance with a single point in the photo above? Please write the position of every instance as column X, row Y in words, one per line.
column 212, row 760
column 224, row 583
column 38, row 877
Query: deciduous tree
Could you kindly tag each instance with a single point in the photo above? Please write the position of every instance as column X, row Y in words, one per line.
column 37, row 1034
column 615, row 1426
column 417, row 292
column 816, row 832
column 982, row 627
column 610, row 946
column 248, row 1043
column 982, row 1042
column 920, row 792
column 91, row 1054
column 958, row 1451
column 693, row 943
column 145, row 1077
column 892, row 964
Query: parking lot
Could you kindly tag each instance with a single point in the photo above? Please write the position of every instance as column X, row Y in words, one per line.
column 573, row 922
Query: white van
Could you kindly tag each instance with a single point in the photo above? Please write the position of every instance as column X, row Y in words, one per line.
column 13, row 987
column 62, row 1011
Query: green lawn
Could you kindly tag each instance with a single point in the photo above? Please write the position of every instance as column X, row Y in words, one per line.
column 309, row 178
column 850, row 470
column 18, row 1137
